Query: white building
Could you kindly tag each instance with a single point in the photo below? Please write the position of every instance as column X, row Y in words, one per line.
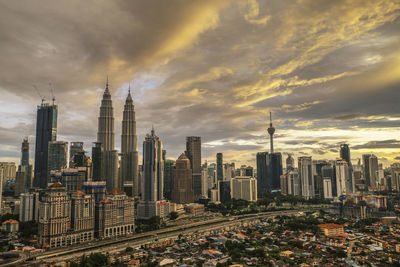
column 306, row 177
column 327, row 188
column 293, row 181
column 244, row 187
column 29, row 207
column 342, row 177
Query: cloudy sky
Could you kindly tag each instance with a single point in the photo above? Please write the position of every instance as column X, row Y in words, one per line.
column 328, row 70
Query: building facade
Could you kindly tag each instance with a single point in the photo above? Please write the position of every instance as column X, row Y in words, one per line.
column 262, row 174
column 182, row 192
column 46, row 131
column 193, row 153
column 57, row 157
column 129, row 153
column 244, row 187
column 306, row 177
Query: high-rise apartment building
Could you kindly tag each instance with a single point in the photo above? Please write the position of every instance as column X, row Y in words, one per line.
column 220, row 167
column 182, row 192
column 9, row 171
column 306, row 177
column 57, row 156
column 395, row 179
column 152, row 203
column 342, row 178
column 318, row 178
column 46, row 131
column 29, row 206
column 129, row 153
column 193, row 153
column 327, row 183
column 244, row 187
column 329, row 172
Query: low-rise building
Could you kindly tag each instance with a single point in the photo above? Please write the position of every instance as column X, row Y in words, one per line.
column 10, row 226
column 331, row 229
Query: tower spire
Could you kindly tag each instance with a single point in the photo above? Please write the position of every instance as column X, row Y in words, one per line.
column 107, row 90
column 271, row 131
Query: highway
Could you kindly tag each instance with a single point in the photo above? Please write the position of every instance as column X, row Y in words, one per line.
column 117, row 244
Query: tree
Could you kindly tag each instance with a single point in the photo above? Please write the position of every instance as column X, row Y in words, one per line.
column 173, row 215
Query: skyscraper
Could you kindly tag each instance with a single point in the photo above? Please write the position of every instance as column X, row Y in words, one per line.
column 345, row 155
column 57, row 156
column 152, row 203
column 182, row 192
column 274, row 170
column 74, row 149
column 329, row 172
column 289, row 162
column 25, row 167
column 129, row 153
column 98, row 162
column 318, row 178
column 220, row 167
column 46, row 131
column 373, row 168
column 306, row 177
column 342, row 177
column 366, row 172
column 262, row 174
column 168, row 178
column 193, row 152
column 105, row 136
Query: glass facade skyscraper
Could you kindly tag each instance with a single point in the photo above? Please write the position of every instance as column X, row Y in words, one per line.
column 46, row 131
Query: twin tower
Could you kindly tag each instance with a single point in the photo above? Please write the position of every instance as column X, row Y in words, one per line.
column 126, row 177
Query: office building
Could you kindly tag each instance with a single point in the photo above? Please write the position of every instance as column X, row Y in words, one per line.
column 329, row 172
column 9, row 171
column 168, row 178
column 327, row 188
column 205, row 181
column 46, row 131
column 57, row 156
column 182, row 192
column 244, row 187
column 129, row 152
column 262, row 174
column 345, row 155
column 318, row 178
column 224, row 188
column 193, row 153
column 98, row 162
column 365, row 159
column 74, row 149
column 71, row 178
column 29, row 206
column 220, row 167
column 306, row 177
column 290, row 162
column 284, row 184
column 114, row 215
column 95, row 188
column 25, row 167
column 293, row 183
column 395, row 176
column 106, row 136
column 152, row 203
column 274, row 171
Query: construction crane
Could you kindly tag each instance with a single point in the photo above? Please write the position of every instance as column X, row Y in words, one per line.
column 52, row 93
column 37, row 91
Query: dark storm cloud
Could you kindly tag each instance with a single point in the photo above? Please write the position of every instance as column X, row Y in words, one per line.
column 208, row 68
column 392, row 143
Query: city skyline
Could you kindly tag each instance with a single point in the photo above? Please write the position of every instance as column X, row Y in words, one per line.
column 327, row 71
